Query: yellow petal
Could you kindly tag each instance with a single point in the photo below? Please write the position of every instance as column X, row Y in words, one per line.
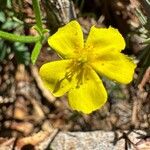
column 90, row 95
column 67, row 40
column 54, row 78
column 115, row 66
column 101, row 40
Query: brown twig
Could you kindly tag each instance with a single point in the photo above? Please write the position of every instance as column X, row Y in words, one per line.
column 146, row 78
column 40, row 85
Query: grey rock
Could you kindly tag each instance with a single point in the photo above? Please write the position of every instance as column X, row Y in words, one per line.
column 96, row 140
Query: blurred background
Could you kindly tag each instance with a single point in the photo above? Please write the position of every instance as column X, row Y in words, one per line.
column 27, row 108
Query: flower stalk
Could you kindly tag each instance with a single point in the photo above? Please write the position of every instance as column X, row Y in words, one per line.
column 37, row 13
column 19, row 38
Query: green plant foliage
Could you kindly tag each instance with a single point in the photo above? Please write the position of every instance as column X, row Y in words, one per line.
column 36, row 52
column 2, row 17
column 3, row 50
column 144, row 31
column 21, row 52
column 9, row 23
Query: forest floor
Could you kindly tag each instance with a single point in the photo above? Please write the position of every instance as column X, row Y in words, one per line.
column 31, row 113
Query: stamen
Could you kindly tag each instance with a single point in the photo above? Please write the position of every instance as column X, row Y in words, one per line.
column 76, row 71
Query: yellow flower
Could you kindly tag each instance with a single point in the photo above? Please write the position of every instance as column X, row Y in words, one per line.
column 78, row 74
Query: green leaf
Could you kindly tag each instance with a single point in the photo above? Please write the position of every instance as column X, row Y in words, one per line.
column 35, row 52
column 3, row 50
column 22, row 53
column 45, row 30
column 9, row 25
column 2, row 17
column 37, row 29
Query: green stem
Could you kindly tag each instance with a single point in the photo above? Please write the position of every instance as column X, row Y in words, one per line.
column 19, row 38
column 37, row 13
column 147, row 41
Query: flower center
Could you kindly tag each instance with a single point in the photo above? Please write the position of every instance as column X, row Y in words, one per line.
column 82, row 59
column 77, row 70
